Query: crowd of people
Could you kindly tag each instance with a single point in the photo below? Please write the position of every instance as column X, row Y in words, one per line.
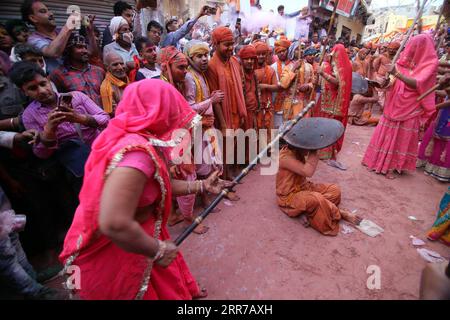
column 86, row 145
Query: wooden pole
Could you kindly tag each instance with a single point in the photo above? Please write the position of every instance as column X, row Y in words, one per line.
column 322, row 55
column 408, row 35
column 243, row 173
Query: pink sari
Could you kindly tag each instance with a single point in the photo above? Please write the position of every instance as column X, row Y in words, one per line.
column 150, row 111
column 394, row 145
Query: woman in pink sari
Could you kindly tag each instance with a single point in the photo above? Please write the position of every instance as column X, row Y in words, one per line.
column 118, row 237
column 336, row 93
column 394, row 144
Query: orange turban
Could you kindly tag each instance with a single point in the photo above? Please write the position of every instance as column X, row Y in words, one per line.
column 221, row 34
column 261, row 47
column 282, row 45
column 169, row 55
column 247, row 52
column 394, row 45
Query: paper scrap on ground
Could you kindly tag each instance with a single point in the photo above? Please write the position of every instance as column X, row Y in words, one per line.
column 414, row 218
column 430, row 256
column 356, row 142
column 417, row 241
column 337, row 164
column 346, row 229
column 370, row 228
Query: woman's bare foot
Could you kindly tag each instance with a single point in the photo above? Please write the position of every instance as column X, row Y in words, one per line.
column 200, row 229
column 390, row 175
column 350, row 217
column 304, row 221
column 175, row 218
column 232, row 196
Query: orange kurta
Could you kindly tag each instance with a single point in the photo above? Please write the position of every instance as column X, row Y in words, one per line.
column 296, row 100
column 298, row 196
column 251, row 102
column 266, row 75
column 225, row 76
column 281, row 94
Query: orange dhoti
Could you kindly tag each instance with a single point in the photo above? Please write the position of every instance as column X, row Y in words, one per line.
column 319, row 202
column 298, row 196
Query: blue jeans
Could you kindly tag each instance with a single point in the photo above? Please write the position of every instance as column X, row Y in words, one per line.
column 17, row 276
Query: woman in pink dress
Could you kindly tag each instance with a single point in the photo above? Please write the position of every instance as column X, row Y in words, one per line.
column 118, row 238
column 394, row 145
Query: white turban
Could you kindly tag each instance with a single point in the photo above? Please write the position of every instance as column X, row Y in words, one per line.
column 115, row 24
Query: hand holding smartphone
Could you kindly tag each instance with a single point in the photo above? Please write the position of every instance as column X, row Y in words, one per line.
column 65, row 102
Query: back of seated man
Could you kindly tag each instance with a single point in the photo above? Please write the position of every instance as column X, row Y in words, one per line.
column 67, row 125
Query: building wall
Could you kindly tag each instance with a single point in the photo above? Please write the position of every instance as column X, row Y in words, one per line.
column 355, row 25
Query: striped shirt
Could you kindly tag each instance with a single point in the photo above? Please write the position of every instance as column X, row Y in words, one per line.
column 35, row 116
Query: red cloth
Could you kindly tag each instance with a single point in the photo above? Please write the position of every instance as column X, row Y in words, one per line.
column 261, row 47
column 282, row 45
column 419, row 61
column 247, row 52
column 222, row 34
column 137, row 65
column 226, row 76
column 149, row 109
column 335, row 100
column 170, row 55
column 394, row 45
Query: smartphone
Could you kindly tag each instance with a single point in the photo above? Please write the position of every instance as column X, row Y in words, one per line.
column 65, row 102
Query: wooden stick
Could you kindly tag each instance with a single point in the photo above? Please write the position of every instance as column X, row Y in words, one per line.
column 427, row 93
column 322, row 55
column 438, row 24
column 243, row 173
column 408, row 35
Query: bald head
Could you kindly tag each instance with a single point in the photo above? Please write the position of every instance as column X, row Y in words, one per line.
column 115, row 65
column 111, row 57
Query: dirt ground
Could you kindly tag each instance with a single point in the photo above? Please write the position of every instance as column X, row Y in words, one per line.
column 254, row 251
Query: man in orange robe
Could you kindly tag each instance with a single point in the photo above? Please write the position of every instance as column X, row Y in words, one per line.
column 360, row 64
column 380, row 66
column 281, row 50
column 224, row 73
column 247, row 54
column 267, row 81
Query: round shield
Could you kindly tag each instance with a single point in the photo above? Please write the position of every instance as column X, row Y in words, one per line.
column 360, row 85
column 314, row 133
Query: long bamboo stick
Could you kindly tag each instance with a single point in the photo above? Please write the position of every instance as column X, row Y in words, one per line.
column 322, row 55
column 243, row 173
